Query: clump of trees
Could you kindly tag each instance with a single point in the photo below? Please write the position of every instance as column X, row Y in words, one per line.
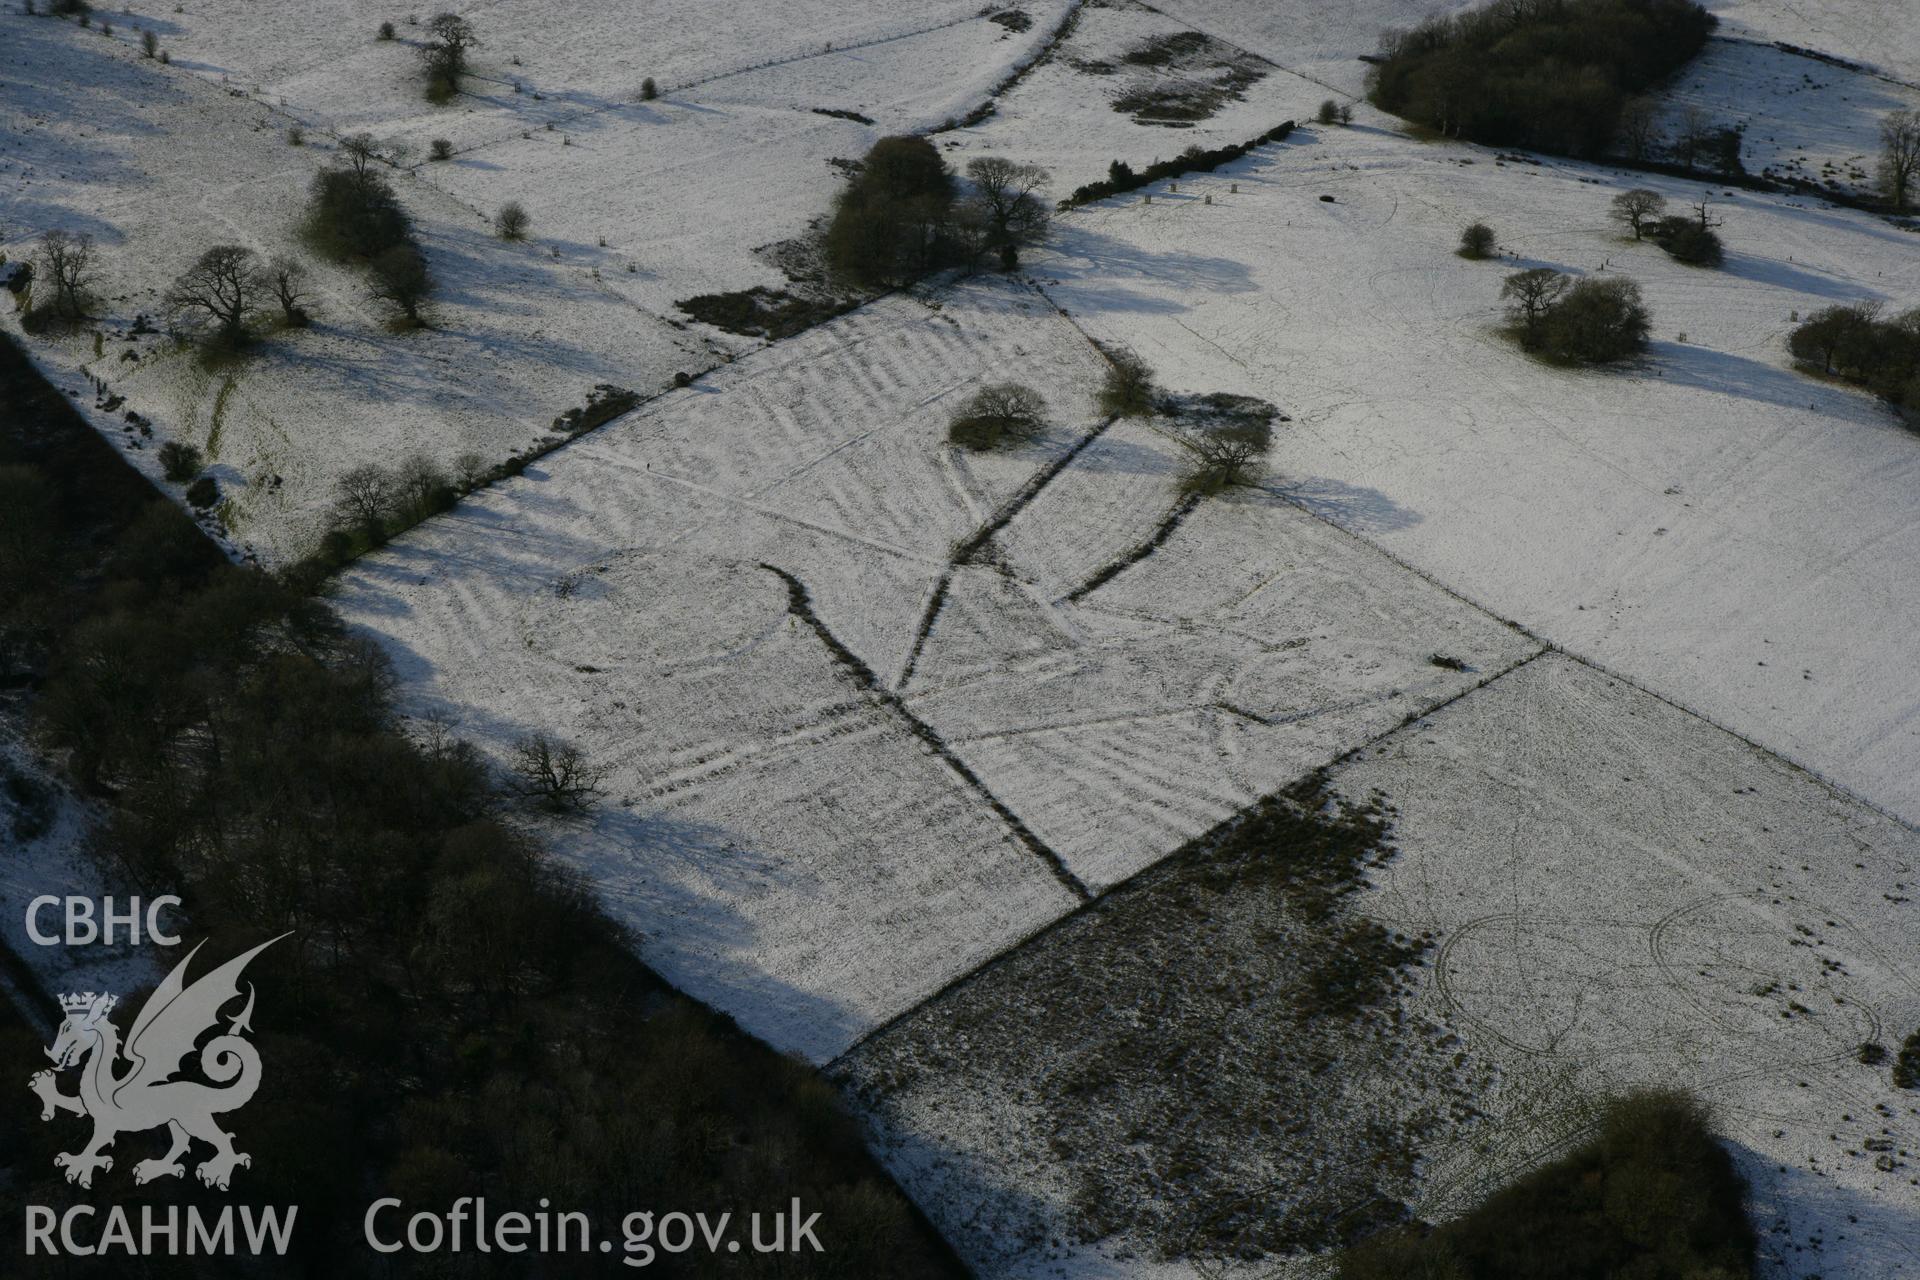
column 1853, row 342
column 1333, row 111
column 1654, row 1194
column 1555, row 75
column 353, row 213
column 69, row 264
column 443, row 55
column 1593, row 320
column 998, row 416
column 893, row 221
column 1225, row 437
column 1477, row 241
column 1693, row 240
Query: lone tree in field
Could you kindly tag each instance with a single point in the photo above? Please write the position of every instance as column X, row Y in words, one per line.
column 352, row 211
column 1900, row 157
column 68, row 262
column 444, row 55
column 1014, row 214
column 1639, row 208
column 512, row 221
column 1529, row 295
column 1477, row 241
column 288, row 281
column 400, row 277
column 222, row 289
column 1225, row 438
column 555, row 774
column 997, row 416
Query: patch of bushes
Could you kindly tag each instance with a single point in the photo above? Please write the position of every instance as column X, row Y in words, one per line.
column 1123, row 177
column 1906, row 1067
column 605, row 403
column 179, row 462
column 1553, row 75
column 761, row 312
column 998, row 416
column 203, row 494
column 1594, row 320
column 1654, row 1196
column 1852, row 342
column 839, row 114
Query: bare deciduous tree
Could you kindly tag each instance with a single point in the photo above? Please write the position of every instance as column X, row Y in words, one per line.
column 400, row 276
column 366, row 496
column 1014, row 213
column 512, row 221
column 1639, row 129
column 68, row 261
column 1900, row 157
column 288, row 280
column 1530, row 294
column 1639, row 207
column 1001, row 413
column 1225, row 436
column 222, row 287
column 444, row 55
column 556, row 774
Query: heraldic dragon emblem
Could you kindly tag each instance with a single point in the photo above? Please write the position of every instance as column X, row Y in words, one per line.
column 145, row 1095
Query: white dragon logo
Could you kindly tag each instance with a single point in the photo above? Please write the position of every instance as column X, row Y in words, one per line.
column 174, row 1017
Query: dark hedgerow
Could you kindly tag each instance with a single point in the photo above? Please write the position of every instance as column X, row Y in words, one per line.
column 1654, row 1196
column 1123, row 177
column 1550, row 74
column 1851, row 341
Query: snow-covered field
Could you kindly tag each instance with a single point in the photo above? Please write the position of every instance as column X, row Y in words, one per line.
column 786, row 843
column 1709, row 522
column 857, row 748
column 1627, row 896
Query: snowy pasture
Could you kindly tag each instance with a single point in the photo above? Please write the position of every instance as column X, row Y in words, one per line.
column 1801, row 118
column 1708, row 521
column 623, row 594
column 1626, row 897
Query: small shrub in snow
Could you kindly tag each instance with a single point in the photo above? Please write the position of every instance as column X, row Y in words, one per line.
column 1477, row 241
column 1328, row 113
column 179, row 462
column 512, row 221
column 149, row 43
column 998, row 416
column 441, row 149
column 648, row 90
column 296, row 136
column 1127, row 390
column 203, row 493
column 386, row 31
